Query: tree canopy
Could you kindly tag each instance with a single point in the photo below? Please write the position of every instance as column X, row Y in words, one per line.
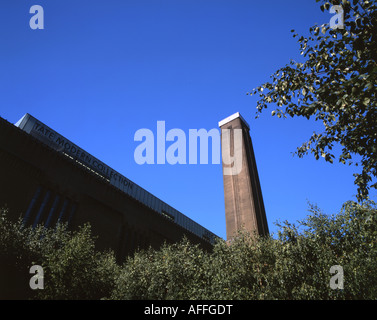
column 294, row 264
column 336, row 84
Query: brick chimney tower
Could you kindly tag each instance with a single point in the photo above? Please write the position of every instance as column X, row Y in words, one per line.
column 244, row 207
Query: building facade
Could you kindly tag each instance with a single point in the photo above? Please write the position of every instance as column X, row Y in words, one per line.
column 45, row 178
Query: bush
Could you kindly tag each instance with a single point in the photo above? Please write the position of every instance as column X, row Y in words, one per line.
column 294, row 264
column 73, row 269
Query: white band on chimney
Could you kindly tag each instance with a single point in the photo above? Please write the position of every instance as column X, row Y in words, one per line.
column 232, row 117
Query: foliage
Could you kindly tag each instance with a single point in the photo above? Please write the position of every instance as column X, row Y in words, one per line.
column 73, row 269
column 337, row 85
column 294, row 264
column 76, row 270
column 175, row 271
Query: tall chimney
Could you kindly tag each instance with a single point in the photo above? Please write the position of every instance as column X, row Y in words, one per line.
column 244, row 207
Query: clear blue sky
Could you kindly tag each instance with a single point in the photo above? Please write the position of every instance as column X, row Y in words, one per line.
column 101, row 70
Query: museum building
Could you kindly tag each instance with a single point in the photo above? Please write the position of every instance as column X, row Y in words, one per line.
column 46, row 178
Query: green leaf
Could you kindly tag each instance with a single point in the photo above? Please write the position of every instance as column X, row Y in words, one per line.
column 366, row 101
column 337, row 79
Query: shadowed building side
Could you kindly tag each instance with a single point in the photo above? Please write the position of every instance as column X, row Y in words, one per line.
column 244, row 207
column 46, row 179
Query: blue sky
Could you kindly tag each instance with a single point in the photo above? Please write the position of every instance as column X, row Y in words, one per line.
column 101, row 70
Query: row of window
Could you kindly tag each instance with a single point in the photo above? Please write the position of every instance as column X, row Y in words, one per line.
column 48, row 208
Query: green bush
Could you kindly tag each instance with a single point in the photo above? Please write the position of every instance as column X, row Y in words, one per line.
column 73, row 269
column 293, row 264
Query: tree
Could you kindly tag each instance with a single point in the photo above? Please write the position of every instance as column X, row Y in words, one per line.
column 295, row 264
column 175, row 271
column 73, row 268
column 336, row 84
column 76, row 270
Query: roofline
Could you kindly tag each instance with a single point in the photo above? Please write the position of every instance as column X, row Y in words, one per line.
column 232, row 117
